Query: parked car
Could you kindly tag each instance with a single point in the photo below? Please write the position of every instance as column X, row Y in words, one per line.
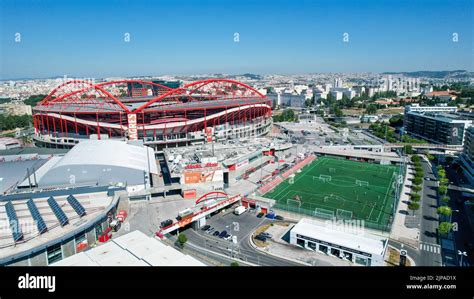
column 261, row 238
column 223, row 234
column 216, row 233
column 270, row 216
column 266, row 235
column 278, row 217
column 260, row 215
column 228, row 237
column 166, row 223
column 205, row 227
column 210, row 230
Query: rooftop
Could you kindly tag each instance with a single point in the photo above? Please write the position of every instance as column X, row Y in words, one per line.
column 96, row 205
column 132, row 249
column 361, row 242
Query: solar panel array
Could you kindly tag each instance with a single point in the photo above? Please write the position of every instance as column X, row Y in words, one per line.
column 62, row 218
column 36, row 216
column 14, row 224
column 76, row 205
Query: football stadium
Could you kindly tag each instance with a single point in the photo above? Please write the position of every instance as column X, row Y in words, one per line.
column 160, row 113
column 343, row 189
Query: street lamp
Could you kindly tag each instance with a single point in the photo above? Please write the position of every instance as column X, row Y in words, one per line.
column 461, row 253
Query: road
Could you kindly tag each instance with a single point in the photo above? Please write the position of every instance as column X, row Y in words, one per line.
column 429, row 243
column 241, row 227
column 243, row 251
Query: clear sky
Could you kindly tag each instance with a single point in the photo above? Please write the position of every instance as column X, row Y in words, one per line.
column 86, row 38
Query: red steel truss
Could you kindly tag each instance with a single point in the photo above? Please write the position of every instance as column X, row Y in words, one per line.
column 81, row 108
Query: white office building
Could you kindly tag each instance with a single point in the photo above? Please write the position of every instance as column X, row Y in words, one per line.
column 435, row 109
column 360, row 248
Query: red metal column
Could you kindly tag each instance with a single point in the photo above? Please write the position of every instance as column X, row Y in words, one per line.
column 75, row 125
column 98, row 125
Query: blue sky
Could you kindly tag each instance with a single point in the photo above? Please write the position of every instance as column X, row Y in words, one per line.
column 86, row 38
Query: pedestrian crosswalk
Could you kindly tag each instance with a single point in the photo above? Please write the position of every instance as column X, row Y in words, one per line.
column 429, row 247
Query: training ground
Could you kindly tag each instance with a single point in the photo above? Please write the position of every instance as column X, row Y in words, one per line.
column 345, row 189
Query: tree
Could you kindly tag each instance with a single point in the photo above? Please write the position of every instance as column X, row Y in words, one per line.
column 182, row 239
column 441, row 173
column 415, row 158
column 338, row 112
column 443, row 181
column 415, row 197
column 408, row 149
column 418, row 168
column 396, row 121
column 444, row 210
column 417, row 181
column 445, row 227
column 414, row 206
column 430, row 157
column 445, row 199
column 371, row 109
column 442, row 190
column 416, row 189
column 234, row 264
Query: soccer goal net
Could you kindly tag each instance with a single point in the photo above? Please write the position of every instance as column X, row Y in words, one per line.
column 293, row 203
column 324, row 213
column 343, row 214
column 362, row 183
column 323, row 177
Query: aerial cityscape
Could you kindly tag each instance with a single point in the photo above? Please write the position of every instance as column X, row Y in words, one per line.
column 130, row 150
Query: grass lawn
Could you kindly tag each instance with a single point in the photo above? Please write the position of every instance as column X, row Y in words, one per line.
column 343, row 188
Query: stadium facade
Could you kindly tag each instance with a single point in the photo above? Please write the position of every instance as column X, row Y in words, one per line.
column 160, row 114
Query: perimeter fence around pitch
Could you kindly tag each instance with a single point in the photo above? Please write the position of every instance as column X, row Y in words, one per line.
column 315, row 210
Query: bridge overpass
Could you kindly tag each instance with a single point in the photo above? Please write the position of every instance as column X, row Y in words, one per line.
column 205, row 205
column 425, row 146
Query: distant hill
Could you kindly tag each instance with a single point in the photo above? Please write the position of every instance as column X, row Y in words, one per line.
column 435, row 74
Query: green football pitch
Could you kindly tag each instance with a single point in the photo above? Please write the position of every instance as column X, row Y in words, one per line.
column 331, row 187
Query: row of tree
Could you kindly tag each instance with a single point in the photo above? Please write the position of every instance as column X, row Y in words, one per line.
column 415, row 197
column 286, row 115
column 10, row 122
column 444, row 210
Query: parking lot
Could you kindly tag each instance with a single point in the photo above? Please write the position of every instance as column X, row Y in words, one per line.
column 240, row 226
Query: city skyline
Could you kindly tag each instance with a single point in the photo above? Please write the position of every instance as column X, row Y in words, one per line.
column 49, row 39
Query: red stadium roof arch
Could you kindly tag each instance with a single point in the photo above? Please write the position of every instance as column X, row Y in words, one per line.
column 66, row 93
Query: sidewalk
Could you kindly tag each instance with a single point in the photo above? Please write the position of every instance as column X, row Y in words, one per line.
column 400, row 232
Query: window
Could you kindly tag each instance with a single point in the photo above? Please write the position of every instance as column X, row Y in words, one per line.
column 54, row 254
column 81, row 242
column 323, row 249
column 98, row 231
column 300, row 242
column 335, row 252
column 312, row 245
column 361, row 261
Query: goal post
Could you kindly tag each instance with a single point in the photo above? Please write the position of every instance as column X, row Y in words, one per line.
column 323, row 213
column 343, row 214
column 293, row 203
column 362, row 183
column 323, row 178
